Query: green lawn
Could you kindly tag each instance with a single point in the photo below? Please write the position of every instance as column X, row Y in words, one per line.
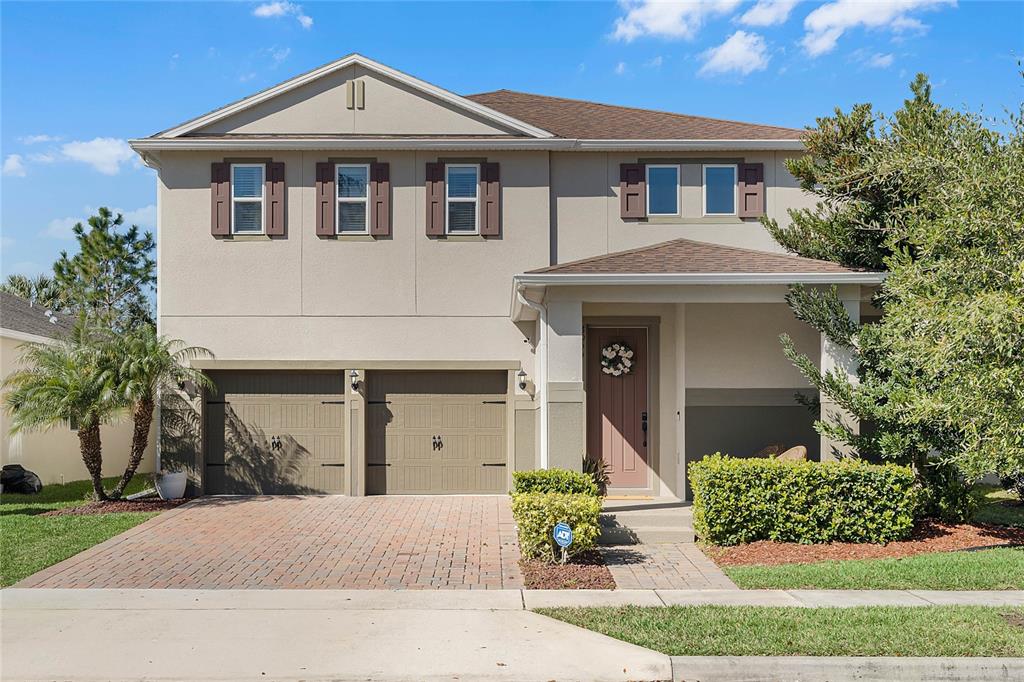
column 29, row 542
column 989, row 569
column 778, row 631
column 992, row 507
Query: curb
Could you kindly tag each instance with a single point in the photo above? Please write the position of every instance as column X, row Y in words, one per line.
column 843, row 669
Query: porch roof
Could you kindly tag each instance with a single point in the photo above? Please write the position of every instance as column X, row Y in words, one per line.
column 686, row 256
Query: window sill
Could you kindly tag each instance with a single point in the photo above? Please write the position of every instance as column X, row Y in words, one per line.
column 354, row 238
column 247, row 238
column 464, row 238
column 697, row 220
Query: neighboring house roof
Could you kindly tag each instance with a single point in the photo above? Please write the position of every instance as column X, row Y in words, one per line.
column 685, row 256
column 579, row 119
column 23, row 317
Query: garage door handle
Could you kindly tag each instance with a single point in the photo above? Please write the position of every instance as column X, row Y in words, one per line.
column 332, row 402
column 325, row 464
column 488, row 464
column 377, row 464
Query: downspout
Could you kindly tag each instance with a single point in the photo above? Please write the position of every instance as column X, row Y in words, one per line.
column 542, row 370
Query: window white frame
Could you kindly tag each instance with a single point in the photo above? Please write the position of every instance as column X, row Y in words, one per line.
column 735, row 188
column 647, row 185
column 339, row 200
column 250, row 200
column 475, row 200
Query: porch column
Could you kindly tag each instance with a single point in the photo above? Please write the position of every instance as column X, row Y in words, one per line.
column 841, row 359
column 566, row 436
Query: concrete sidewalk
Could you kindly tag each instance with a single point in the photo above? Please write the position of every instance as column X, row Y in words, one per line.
column 302, row 635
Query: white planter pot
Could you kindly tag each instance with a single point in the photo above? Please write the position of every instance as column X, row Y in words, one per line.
column 171, row 486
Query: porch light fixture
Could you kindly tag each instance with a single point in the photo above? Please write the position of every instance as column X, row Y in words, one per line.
column 354, row 379
column 521, row 375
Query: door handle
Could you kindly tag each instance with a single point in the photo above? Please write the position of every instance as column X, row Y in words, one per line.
column 643, row 426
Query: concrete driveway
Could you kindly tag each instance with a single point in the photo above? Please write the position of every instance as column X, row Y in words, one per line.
column 307, row 542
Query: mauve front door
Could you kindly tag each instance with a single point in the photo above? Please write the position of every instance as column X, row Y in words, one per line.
column 618, row 420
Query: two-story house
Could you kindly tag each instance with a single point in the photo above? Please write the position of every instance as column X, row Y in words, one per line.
column 412, row 291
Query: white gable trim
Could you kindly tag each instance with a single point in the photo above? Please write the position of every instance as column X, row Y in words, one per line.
column 377, row 67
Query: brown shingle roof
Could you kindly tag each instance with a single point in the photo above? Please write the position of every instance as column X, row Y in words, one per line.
column 688, row 256
column 579, row 119
column 18, row 315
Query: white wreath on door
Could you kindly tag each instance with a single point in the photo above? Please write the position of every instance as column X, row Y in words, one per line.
column 617, row 359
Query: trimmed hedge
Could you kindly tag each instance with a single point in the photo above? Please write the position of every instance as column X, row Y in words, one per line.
column 744, row 500
column 553, row 481
column 536, row 515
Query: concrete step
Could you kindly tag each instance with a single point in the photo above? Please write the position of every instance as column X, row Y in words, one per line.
column 645, row 535
column 634, row 519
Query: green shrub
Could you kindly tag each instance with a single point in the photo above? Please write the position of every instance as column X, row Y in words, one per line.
column 553, row 481
column 536, row 515
column 743, row 500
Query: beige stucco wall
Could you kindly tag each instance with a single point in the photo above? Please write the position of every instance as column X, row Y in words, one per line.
column 54, row 454
column 585, row 191
column 320, row 107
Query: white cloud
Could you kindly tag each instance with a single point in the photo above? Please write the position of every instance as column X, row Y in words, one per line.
column 741, row 53
column 60, row 228
column 826, row 24
column 246, row 77
column 37, row 139
column 105, row 154
column 14, row 165
column 880, row 61
column 655, row 63
column 43, row 157
column 282, row 8
column 667, row 19
column 768, row 13
column 620, row 68
column 279, row 55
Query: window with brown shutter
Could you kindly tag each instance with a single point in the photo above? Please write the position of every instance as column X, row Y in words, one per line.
column 325, row 200
column 380, row 199
column 751, row 190
column 275, row 192
column 435, row 199
column 632, row 191
column 220, row 194
column 490, row 200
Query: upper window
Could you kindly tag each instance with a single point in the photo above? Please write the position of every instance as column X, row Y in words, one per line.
column 720, row 189
column 662, row 190
column 353, row 182
column 461, row 187
column 247, row 198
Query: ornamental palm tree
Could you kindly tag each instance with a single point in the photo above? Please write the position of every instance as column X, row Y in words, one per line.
column 145, row 364
column 65, row 382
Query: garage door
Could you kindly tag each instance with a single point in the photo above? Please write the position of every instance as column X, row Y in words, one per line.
column 275, row 433
column 436, row 432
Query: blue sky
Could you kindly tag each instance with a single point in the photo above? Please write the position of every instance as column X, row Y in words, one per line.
column 77, row 79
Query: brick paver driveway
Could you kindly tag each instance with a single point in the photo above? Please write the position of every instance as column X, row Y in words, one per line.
column 464, row 542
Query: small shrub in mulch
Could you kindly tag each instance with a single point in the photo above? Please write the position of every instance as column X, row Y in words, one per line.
column 586, row 571
column 115, row 507
column 928, row 536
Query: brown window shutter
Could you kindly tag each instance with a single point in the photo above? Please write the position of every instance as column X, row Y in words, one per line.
column 380, row 199
column 325, row 200
column 751, row 190
column 220, row 193
column 435, row 199
column 490, row 200
column 274, row 207
column 632, row 190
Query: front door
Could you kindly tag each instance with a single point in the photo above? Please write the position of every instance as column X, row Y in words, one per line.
column 618, row 420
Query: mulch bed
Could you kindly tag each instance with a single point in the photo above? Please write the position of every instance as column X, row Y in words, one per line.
column 929, row 536
column 93, row 508
column 585, row 572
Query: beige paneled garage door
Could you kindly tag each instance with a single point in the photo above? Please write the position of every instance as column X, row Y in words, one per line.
column 436, row 432
column 275, row 433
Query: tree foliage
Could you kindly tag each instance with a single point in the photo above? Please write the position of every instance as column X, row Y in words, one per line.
column 109, row 279
column 42, row 290
column 936, row 197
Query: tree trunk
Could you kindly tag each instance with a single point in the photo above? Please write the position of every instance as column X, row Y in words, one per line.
column 142, row 417
column 92, row 455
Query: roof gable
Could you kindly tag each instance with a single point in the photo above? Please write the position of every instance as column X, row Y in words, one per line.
column 315, row 103
column 579, row 119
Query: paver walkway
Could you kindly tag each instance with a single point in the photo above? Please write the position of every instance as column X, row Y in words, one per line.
column 454, row 542
column 666, row 566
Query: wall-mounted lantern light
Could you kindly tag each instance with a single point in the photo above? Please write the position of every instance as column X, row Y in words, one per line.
column 354, row 378
column 522, row 379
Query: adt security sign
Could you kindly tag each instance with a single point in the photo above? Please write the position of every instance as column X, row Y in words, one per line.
column 563, row 535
